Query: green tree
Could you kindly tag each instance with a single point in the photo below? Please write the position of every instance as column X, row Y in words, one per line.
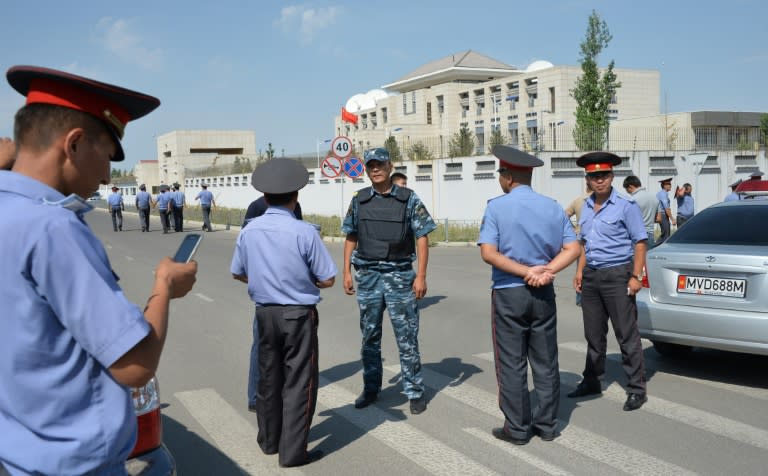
column 462, row 143
column 593, row 92
column 270, row 151
column 497, row 138
column 419, row 151
column 764, row 127
column 394, row 150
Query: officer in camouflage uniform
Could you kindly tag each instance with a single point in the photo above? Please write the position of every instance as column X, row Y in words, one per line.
column 387, row 228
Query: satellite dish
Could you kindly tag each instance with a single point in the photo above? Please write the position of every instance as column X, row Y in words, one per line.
column 354, row 103
column 538, row 66
column 377, row 94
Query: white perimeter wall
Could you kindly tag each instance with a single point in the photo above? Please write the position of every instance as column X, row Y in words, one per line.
column 465, row 199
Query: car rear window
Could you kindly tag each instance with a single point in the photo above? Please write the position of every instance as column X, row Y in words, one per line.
column 744, row 224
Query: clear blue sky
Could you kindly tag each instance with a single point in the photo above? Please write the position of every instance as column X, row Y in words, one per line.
column 284, row 69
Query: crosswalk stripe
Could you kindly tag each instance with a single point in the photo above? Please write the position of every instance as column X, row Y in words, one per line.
column 582, row 441
column 760, row 394
column 517, row 452
column 427, row 452
column 702, row 420
column 233, row 434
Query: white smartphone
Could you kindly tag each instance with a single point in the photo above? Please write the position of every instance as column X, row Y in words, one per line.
column 188, row 248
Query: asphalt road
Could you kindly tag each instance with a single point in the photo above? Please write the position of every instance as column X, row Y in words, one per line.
column 705, row 414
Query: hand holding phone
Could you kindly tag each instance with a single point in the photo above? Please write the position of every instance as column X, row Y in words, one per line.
column 188, row 248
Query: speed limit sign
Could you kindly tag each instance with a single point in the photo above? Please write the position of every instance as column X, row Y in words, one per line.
column 341, row 147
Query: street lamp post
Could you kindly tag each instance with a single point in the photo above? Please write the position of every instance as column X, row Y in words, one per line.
column 317, row 148
column 540, row 138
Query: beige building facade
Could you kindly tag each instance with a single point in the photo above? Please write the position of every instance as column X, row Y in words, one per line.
column 532, row 108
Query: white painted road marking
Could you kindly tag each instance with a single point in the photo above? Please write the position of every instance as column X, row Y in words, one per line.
column 758, row 393
column 696, row 418
column 232, row 433
column 427, row 452
column 203, row 297
column 590, row 444
column 517, row 452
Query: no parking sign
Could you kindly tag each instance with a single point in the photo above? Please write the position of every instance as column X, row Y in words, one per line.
column 353, row 167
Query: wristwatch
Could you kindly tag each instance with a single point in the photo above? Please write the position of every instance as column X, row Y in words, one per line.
column 638, row 277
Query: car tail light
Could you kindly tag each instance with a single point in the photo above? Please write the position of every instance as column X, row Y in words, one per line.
column 645, row 282
column 146, row 401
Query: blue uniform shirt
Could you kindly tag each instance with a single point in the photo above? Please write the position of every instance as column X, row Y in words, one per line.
column 663, row 198
column 283, row 258
column 508, row 226
column 115, row 200
column 64, row 322
column 420, row 220
column 685, row 206
column 143, row 199
column 206, row 197
column 732, row 197
column 610, row 235
column 178, row 198
column 162, row 200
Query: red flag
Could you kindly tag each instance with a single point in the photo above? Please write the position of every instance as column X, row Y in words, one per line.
column 347, row 116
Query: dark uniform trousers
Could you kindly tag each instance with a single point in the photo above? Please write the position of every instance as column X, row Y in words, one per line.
column 665, row 228
column 117, row 218
column 165, row 220
column 287, row 386
column 603, row 297
column 178, row 218
column 524, row 321
column 144, row 218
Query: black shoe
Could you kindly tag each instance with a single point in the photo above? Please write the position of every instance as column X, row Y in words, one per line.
column 418, row 405
column 634, row 401
column 312, row 456
column 504, row 436
column 544, row 435
column 584, row 389
column 365, row 399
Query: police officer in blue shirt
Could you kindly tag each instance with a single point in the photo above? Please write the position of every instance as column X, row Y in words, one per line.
column 70, row 342
column 206, row 202
column 665, row 210
column 527, row 238
column 163, row 203
column 387, row 228
column 285, row 264
column 609, row 275
column 685, row 207
column 733, row 196
column 116, row 207
column 143, row 203
column 178, row 207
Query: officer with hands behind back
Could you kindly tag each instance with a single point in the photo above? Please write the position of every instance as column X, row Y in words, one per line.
column 70, row 342
column 285, row 264
column 387, row 228
column 527, row 238
column 609, row 275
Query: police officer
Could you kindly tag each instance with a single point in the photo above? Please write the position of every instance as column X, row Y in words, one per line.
column 116, row 207
column 733, row 196
column 527, row 238
column 386, row 228
column 285, row 263
column 179, row 200
column 649, row 205
column 206, row 201
column 143, row 203
column 685, row 204
column 665, row 210
column 163, row 203
column 70, row 342
column 609, row 275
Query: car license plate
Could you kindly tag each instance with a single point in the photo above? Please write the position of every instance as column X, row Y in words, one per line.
column 712, row 286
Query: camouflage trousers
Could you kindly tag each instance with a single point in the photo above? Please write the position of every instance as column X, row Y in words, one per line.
column 389, row 286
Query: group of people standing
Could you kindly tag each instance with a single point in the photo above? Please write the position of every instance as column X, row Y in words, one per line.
column 170, row 202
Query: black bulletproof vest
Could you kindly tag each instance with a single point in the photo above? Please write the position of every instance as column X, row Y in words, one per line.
column 383, row 231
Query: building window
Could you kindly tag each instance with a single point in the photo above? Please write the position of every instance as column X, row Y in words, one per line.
column 405, row 105
column 413, row 101
column 532, row 99
column 429, row 113
column 480, row 133
column 440, row 105
column 406, row 111
column 384, row 115
column 552, row 100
